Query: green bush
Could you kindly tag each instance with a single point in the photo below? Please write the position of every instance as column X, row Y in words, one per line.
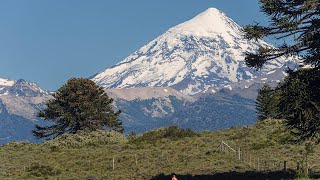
column 262, row 144
column 83, row 139
column 19, row 145
column 132, row 135
column 172, row 132
column 38, row 170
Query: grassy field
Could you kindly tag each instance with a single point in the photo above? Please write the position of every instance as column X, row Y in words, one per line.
column 109, row 155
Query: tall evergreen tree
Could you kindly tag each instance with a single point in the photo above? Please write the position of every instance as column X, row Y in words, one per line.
column 267, row 103
column 293, row 20
column 262, row 102
column 79, row 105
column 300, row 103
column 297, row 21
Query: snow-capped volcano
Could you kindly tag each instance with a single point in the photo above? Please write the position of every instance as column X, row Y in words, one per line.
column 204, row 52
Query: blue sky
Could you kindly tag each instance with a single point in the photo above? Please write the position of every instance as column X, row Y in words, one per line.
column 48, row 42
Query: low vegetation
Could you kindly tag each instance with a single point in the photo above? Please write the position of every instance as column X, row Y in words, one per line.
column 86, row 139
column 154, row 154
column 172, row 132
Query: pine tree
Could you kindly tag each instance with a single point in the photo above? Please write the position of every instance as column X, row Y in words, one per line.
column 79, row 105
column 300, row 103
column 297, row 21
column 293, row 20
column 262, row 102
column 267, row 103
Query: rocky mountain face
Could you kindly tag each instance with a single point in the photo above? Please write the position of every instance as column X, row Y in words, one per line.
column 14, row 127
column 20, row 101
column 202, row 53
column 148, row 108
column 20, row 88
column 167, row 107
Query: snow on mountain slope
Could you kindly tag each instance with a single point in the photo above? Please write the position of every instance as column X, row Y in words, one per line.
column 20, row 102
column 272, row 78
column 20, row 88
column 130, row 94
column 6, row 82
column 27, row 107
column 204, row 52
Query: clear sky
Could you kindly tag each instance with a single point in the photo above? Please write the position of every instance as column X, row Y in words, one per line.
column 48, row 42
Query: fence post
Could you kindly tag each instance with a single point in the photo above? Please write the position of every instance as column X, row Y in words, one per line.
column 239, row 154
column 113, row 163
column 222, row 148
column 250, row 159
column 258, row 164
column 284, row 167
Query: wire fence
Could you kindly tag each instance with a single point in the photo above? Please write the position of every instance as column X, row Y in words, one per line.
column 256, row 163
column 163, row 158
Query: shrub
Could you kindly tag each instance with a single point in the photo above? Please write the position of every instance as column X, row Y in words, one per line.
column 21, row 144
column 172, row 132
column 38, row 170
column 83, row 139
column 132, row 135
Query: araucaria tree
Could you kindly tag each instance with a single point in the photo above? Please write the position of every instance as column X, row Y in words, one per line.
column 79, row 105
column 300, row 103
column 298, row 22
column 267, row 103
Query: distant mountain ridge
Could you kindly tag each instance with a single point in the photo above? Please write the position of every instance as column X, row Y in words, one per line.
column 142, row 109
column 20, row 87
column 20, row 102
column 204, row 52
